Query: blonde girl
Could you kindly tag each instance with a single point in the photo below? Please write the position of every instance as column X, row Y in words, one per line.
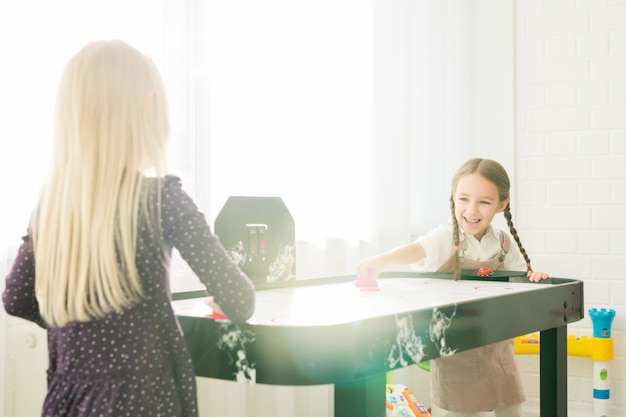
column 93, row 268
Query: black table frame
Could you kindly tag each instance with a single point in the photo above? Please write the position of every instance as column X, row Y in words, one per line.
column 298, row 356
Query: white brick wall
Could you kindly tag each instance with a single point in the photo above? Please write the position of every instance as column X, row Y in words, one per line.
column 570, row 89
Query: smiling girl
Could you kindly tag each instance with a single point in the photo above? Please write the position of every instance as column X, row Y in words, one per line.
column 485, row 378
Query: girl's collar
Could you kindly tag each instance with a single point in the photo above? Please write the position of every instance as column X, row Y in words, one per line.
column 488, row 232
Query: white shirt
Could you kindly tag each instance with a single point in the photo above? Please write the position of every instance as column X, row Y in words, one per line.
column 439, row 247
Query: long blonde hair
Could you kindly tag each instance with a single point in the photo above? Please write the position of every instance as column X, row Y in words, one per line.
column 111, row 126
column 494, row 172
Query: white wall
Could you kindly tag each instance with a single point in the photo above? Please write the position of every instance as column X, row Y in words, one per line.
column 570, row 90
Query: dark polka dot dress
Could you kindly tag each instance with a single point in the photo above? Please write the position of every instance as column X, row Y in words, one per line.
column 136, row 363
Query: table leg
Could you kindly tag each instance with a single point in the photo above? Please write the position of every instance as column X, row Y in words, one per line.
column 553, row 369
column 362, row 398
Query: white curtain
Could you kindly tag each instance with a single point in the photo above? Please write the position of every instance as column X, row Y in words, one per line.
column 288, row 108
column 37, row 38
column 356, row 113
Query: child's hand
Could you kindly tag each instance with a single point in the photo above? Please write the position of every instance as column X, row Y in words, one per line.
column 537, row 276
column 211, row 303
column 369, row 269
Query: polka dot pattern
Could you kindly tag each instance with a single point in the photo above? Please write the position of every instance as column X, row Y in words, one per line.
column 135, row 363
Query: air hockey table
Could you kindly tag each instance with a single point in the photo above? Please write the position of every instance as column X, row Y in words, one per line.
column 329, row 331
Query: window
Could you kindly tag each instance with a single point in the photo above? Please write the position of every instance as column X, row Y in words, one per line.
column 286, row 107
column 38, row 37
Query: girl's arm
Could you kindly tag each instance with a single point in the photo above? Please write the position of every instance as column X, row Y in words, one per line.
column 187, row 230
column 371, row 267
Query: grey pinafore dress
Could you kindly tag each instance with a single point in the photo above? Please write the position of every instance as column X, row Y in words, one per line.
column 480, row 379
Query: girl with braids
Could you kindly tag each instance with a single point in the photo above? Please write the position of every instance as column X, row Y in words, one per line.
column 485, row 378
column 93, row 268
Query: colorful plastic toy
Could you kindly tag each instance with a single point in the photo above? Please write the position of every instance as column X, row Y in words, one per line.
column 598, row 348
column 402, row 402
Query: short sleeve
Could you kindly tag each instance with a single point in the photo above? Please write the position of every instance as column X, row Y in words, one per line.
column 437, row 245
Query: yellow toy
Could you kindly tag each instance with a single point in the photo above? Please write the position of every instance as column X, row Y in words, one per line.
column 598, row 348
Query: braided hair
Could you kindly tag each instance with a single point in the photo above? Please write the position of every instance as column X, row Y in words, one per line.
column 494, row 172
